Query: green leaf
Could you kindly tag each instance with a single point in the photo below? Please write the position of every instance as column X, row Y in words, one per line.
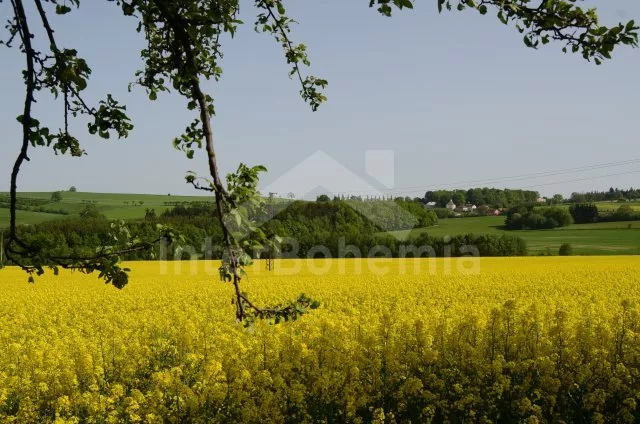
column 62, row 9
column 630, row 25
column 128, row 9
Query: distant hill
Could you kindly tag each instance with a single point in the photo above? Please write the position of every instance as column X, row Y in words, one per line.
column 37, row 207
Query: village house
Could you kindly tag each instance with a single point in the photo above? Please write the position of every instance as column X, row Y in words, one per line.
column 451, row 206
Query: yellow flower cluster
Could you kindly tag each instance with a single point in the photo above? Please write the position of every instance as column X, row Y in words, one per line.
column 415, row 340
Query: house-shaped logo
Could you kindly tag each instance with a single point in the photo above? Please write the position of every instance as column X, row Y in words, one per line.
column 320, row 173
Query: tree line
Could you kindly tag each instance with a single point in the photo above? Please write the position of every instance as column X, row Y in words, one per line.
column 532, row 217
column 613, row 194
column 307, row 229
column 584, row 213
column 493, row 197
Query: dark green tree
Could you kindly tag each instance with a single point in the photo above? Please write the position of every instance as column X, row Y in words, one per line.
column 56, row 197
column 565, row 250
column 560, row 216
column 626, row 213
column 90, row 211
column 578, row 198
column 584, row 213
column 458, row 198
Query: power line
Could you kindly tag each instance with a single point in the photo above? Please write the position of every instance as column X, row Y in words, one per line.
column 554, row 173
column 582, row 179
column 535, row 175
column 551, row 183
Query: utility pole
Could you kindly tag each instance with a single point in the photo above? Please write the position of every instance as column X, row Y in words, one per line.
column 269, row 259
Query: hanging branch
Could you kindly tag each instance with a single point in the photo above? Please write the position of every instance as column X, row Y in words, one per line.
column 68, row 74
column 179, row 27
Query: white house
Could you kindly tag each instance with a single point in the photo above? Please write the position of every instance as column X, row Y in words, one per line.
column 469, row 208
column 430, row 205
column 542, row 200
column 451, row 206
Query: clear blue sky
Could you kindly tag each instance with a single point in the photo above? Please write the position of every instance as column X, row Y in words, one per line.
column 456, row 96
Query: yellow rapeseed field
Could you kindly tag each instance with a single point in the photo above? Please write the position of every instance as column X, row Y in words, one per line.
column 545, row 339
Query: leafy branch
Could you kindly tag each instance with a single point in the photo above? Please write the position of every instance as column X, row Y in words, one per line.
column 550, row 20
column 60, row 70
column 279, row 25
column 183, row 47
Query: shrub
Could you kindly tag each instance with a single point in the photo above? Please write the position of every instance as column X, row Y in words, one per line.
column 533, row 221
column 550, row 223
column 626, row 213
column 565, row 250
column 443, row 213
column 56, row 196
column 90, row 211
column 561, row 216
column 528, row 217
column 514, row 221
column 583, row 213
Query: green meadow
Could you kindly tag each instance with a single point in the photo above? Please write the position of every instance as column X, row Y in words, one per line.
column 112, row 205
column 608, row 238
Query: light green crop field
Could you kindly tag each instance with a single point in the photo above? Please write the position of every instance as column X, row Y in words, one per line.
column 606, row 206
column 28, row 217
column 608, row 238
column 612, row 206
column 112, row 205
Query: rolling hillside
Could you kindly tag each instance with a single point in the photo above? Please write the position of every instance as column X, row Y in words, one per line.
column 608, row 238
column 113, row 205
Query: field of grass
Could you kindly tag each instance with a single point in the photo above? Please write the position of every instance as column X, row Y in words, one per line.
column 532, row 340
column 612, row 206
column 608, row 238
column 28, row 217
column 112, row 205
column 608, row 206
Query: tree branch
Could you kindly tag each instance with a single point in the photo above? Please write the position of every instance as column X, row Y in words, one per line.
column 178, row 26
column 25, row 36
column 288, row 42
